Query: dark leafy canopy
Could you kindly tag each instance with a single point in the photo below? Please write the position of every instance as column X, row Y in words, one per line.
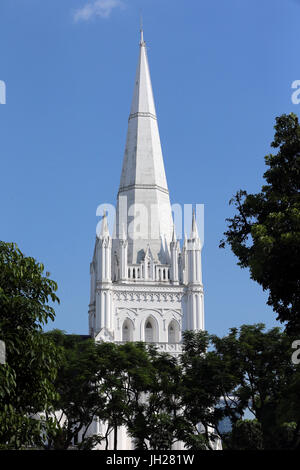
column 79, row 400
column 115, row 367
column 246, row 434
column 161, row 400
column 121, row 385
column 139, row 388
column 265, row 233
column 247, row 373
column 31, row 359
column 200, row 391
column 154, row 418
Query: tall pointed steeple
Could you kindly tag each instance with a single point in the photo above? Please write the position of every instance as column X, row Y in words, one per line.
column 143, row 179
column 143, row 287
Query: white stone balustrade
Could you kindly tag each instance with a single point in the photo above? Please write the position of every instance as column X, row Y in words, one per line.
column 160, row 273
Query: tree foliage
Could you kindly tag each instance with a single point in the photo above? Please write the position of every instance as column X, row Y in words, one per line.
column 78, row 400
column 246, row 434
column 249, row 372
column 265, row 232
column 246, row 377
column 154, row 419
column 259, row 363
column 31, row 359
column 200, row 390
column 119, row 385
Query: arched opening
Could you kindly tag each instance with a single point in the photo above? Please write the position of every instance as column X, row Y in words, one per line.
column 173, row 332
column 127, row 331
column 149, row 332
column 150, row 327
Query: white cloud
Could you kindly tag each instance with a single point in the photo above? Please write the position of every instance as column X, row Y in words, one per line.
column 101, row 8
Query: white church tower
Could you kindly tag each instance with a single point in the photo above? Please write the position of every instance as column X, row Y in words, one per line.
column 144, row 286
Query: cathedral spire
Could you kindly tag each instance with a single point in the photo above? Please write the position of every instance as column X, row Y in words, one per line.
column 142, row 101
column 143, row 179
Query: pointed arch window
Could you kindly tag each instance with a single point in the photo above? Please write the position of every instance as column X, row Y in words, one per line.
column 173, row 332
column 127, row 331
column 148, row 332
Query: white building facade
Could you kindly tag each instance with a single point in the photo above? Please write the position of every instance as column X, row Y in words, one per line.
column 144, row 285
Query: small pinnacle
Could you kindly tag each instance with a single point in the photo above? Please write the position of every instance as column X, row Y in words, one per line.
column 174, row 234
column 194, row 233
column 104, row 228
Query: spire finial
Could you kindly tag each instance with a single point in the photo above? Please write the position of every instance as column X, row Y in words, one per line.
column 142, row 42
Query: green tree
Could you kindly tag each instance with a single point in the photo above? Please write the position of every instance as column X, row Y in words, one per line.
column 129, row 385
column 113, row 379
column 31, row 358
column 79, row 400
column 259, row 364
column 246, row 434
column 141, row 390
column 204, row 382
column 248, row 373
column 155, row 419
column 265, row 232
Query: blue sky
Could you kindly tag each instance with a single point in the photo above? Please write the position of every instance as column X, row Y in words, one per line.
column 221, row 72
